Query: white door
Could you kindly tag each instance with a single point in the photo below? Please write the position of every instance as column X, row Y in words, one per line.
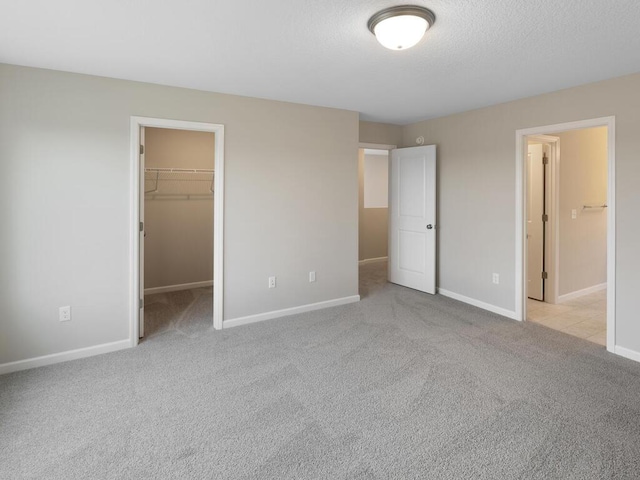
column 535, row 224
column 412, row 218
column 142, row 234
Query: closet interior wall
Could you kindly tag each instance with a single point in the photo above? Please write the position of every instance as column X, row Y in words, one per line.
column 178, row 207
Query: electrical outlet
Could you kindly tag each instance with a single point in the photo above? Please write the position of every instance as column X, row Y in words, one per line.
column 64, row 313
column 272, row 282
column 312, row 276
column 574, row 214
column 496, row 278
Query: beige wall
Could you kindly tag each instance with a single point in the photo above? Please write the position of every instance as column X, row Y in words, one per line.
column 179, row 217
column 380, row 133
column 583, row 181
column 372, row 222
column 65, row 199
column 476, row 190
column 65, row 203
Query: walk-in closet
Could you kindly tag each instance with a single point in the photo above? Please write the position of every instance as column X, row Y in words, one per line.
column 178, row 216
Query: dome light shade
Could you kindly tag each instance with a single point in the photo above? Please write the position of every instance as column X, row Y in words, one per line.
column 401, row 27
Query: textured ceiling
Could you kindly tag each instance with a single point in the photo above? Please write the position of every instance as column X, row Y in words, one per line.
column 319, row 52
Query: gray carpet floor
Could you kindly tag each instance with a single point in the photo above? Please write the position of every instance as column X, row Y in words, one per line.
column 401, row 385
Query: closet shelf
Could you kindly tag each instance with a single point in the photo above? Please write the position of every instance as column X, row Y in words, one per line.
column 180, row 170
column 157, row 175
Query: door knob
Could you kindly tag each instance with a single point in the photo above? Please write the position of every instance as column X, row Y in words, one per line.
column 429, row 227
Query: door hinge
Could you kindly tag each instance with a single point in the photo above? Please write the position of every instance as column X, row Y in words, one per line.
column 545, row 218
column 141, row 149
column 141, row 303
column 544, row 275
column 141, row 226
column 545, row 159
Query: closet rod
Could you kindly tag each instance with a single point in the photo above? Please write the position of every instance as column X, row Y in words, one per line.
column 158, row 171
column 180, row 170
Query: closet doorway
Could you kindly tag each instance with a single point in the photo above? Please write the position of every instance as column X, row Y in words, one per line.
column 178, row 221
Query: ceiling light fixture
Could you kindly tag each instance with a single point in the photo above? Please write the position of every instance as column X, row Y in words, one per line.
column 401, row 27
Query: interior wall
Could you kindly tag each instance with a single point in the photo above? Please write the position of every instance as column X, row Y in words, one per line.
column 476, row 190
column 380, row 133
column 583, row 181
column 373, row 226
column 178, row 246
column 66, row 192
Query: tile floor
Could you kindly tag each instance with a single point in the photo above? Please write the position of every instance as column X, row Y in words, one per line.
column 584, row 317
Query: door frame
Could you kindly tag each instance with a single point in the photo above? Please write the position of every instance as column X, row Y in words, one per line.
column 520, row 234
column 377, row 146
column 135, row 198
column 552, row 208
column 373, row 146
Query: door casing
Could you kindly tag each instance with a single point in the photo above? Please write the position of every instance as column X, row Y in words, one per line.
column 520, row 234
column 552, row 231
column 137, row 193
column 374, row 146
column 141, row 233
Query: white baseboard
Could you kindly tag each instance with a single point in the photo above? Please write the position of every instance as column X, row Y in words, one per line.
column 177, row 288
column 581, row 293
column 234, row 322
column 372, row 260
column 64, row 356
column 477, row 303
column 627, row 353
